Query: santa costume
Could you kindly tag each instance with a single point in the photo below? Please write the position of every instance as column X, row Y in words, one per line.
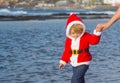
column 76, row 51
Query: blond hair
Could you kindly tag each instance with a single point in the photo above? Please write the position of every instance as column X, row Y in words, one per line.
column 77, row 28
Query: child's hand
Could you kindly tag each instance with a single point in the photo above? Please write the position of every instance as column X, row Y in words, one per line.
column 99, row 27
column 61, row 66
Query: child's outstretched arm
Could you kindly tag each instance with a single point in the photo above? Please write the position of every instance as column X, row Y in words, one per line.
column 95, row 38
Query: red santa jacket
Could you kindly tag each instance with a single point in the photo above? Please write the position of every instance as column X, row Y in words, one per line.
column 85, row 41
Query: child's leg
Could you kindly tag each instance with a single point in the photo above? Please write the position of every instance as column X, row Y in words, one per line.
column 79, row 73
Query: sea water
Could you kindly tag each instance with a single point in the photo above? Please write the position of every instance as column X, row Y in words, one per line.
column 30, row 52
column 47, row 12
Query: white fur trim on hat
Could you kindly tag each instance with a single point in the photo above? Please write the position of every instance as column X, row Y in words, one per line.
column 70, row 25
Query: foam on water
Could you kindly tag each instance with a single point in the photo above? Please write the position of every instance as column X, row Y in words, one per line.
column 17, row 12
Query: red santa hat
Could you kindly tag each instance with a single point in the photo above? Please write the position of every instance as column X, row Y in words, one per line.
column 73, row 19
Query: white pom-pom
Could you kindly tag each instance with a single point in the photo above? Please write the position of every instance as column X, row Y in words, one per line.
column 71, row 13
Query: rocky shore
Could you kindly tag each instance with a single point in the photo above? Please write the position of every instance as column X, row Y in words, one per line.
column 53, row 16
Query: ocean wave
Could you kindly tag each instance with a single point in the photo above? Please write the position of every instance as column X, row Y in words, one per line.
column 48, row 12
column 8, row 12
column 43, row 14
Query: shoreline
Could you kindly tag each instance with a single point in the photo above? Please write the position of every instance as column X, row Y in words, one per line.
column 53, row 16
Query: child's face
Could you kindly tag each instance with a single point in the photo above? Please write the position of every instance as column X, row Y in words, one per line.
column 74, row 34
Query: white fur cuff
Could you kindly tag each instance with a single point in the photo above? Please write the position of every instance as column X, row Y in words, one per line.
column 97, row 33
column 63, row 62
